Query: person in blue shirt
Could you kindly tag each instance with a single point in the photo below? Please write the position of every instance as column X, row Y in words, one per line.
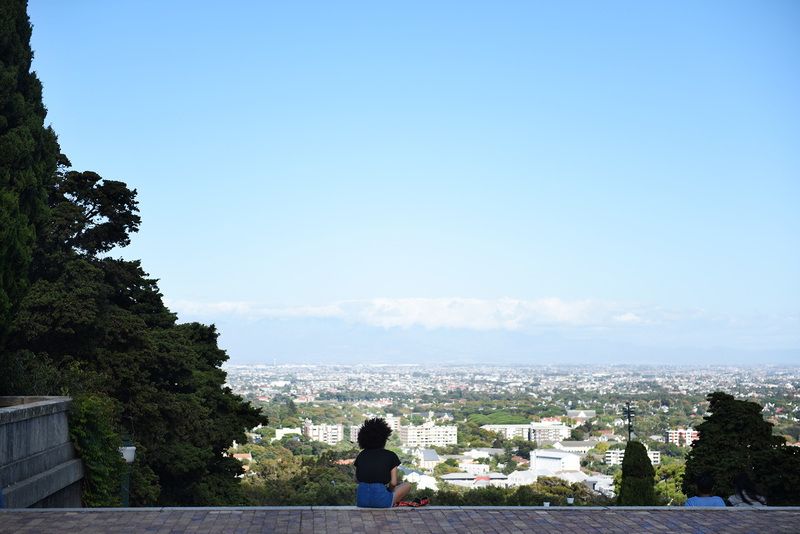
column 705, row 486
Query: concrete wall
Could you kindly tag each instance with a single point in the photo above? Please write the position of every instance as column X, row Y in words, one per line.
column 38, row 468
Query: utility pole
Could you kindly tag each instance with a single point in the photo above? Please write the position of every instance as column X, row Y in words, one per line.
column 629, row 414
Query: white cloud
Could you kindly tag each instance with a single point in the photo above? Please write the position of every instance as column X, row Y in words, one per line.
column 630, row 321
column 629, row 318
column 432, row 313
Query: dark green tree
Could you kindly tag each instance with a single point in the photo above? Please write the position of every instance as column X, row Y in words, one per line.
column 732, row 435
column 28, row 156
column 778, row 473
column 106, row 313
column 637, row 487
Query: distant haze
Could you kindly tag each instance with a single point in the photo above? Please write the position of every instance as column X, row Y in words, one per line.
column 451, row 331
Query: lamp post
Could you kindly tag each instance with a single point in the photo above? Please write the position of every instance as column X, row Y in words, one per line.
column 128, row 452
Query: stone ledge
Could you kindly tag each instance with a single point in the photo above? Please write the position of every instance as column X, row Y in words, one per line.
column 42, row 485
column 15, row 409
column 38, row 463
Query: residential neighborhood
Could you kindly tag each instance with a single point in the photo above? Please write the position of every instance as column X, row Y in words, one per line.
column 468, row 428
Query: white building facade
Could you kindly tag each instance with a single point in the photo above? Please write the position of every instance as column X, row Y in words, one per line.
column 538, row 432
column 555, row 460
column 615, row 456
column 330, row 434
column 428, row 435
column 683, row 437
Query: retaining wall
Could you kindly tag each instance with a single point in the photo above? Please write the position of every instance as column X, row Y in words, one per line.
column 38, row 468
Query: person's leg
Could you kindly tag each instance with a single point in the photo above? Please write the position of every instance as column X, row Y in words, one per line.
column 362, row 495
column 400, row 492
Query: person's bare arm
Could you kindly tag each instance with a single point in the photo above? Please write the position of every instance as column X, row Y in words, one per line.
column 393, row 483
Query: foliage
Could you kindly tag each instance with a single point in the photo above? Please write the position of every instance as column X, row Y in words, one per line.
column 601, row 447
column 730, row 438
column 106, row 313
column 510, row 467
column 637, row 482
column 575, row 435
column 497, row 417
column 668, row 488
column 519, row 446
column 97, row 444
column 28, row 156
column 293, row 481
column 550, row 489
column 444, row 469
column 778, row 473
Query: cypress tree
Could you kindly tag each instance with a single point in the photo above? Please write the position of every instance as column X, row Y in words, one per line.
column 638, row 483
column 28, row 156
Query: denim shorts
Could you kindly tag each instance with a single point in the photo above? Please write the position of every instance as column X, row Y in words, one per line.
column 373, row 496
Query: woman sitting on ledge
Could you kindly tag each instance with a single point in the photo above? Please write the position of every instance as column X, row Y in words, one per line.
column 376, row 468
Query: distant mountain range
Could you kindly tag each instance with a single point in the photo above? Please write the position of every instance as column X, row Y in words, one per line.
column 330, row 341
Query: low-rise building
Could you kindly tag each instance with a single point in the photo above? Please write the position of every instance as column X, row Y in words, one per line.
column 474, row 468
column 581, row 415
column 459, row 479
column 428, row 459
column 521, row 478
column 615, row 456
column 575, row 446
column 603, row 484
column 554, row 460
column 499, row 480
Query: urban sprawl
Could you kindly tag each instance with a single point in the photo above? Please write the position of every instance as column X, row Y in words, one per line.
column 456, row 426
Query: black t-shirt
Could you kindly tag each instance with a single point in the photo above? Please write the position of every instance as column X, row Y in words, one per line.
column 374, row 466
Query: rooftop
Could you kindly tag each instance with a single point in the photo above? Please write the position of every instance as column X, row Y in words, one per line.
column 431, row 519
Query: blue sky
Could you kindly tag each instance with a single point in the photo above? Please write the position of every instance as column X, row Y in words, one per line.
column 622, row 170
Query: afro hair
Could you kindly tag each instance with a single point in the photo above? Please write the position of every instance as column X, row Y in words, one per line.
column 374, row 433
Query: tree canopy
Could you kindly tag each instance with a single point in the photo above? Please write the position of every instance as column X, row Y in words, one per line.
column 638, row 482
column 164, row 377
column 28, row 155
column 730, row 440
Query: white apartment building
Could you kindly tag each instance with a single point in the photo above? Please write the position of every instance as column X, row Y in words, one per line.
column 615, row 456
column 428, row 435
column 330, row 434
column 538, row 432
column 681, row 437
column 510, row 431
column 393, row 421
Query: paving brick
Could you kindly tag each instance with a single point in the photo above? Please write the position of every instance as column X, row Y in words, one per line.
column 429, row 520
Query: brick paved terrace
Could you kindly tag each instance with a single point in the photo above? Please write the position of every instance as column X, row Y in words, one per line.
column 432, row 519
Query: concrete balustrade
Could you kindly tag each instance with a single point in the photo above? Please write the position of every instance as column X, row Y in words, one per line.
column 38, row 468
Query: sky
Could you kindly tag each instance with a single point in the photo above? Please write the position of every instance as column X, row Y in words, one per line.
column 617, row 171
